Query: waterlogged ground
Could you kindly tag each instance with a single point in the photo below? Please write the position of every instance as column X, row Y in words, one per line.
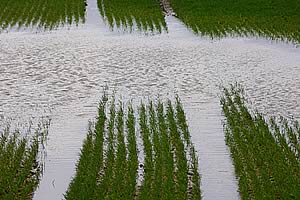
column 62, row 74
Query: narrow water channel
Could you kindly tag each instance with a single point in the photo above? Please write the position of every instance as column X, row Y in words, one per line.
column 62, row 73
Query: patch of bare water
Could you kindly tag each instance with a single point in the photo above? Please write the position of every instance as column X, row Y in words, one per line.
column 64, row 72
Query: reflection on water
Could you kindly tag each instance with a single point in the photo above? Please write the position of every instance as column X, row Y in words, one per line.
column 65, row 72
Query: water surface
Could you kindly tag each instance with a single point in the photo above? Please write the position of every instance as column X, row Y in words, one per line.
column 62, row 73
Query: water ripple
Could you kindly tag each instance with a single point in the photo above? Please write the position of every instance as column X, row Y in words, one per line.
column 65, row 71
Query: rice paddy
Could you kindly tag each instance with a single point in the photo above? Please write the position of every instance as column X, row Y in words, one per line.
column 137, row 154
column 20, row 165
column 277, row 20
column 129, row 15
column 145, row 151
column 42, row 14
column 265, row 152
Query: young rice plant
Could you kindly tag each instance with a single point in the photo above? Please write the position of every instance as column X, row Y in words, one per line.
column 111, row 154
column 265, row 152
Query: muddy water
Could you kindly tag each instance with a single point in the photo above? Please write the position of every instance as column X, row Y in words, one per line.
column 62, row 74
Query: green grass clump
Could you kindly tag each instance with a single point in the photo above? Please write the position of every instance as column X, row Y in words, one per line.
column 44, row 14
column 276, row 19
column 91, row 159
column 20, row 168
column 147, row 188
column 110, row 171
column 144, row 15
column 265, row 152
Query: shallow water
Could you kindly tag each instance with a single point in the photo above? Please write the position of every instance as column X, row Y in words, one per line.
column 62, row 74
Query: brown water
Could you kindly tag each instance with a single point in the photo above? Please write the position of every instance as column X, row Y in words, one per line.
column 62, row 74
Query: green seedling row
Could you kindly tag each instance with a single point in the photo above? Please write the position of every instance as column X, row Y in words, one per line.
column 147, row 187
column 194, row 177
column 181, row 164
column 110, row 160
column 104, row 189
column 276, row 19
column 265, row 152
column 157, row 153
column 20, row 166
column 91, row 160
column 132, row 153
column 43, row 14
column 143, row 15
column 168, row 183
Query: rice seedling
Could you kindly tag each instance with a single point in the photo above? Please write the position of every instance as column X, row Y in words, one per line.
column 264, row 151
column 121, row 171
column 43, row 14
column 157, row 153
column 194, row 192
column 104, row 189
column 132, row 154
column 181, row 120
column 168, row 172
column 278, row 20
column 168, row 183
column 91, row 160
column 181, row 165
column 20, row 166
column 143, row 15
column 147, row 187
column 194, row 183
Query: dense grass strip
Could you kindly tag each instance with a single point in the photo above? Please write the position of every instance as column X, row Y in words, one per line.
column 104, row 189
column 46, row 14
column 181, row 165
column 132, row 154
column 264, row 152
column 20, row 169
column 98, row 152
column 275, row 19
column 168, row 183
column 108, row 165
column 120, row 184
column 194, row 191
column 157, row 153
column 147, row 187
column 90, row 163
column 181, row 120
column 146, row 15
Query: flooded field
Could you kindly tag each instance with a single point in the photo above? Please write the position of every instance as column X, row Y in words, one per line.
column 62, row 73
column 42, row 15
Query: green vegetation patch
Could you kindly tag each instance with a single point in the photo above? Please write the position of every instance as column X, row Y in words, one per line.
column 20, row 168
column 143, row 15
column 43, row 14
column 275, row 19
column 111, row 167
column 265, row 153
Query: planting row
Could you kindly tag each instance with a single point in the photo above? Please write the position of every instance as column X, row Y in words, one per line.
column 44, row 14
column 265, row 152
column 20, row 162
column 279, row 20
column 113, row 165
column 276, row 19
column 142, row 15
column 147, row 153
